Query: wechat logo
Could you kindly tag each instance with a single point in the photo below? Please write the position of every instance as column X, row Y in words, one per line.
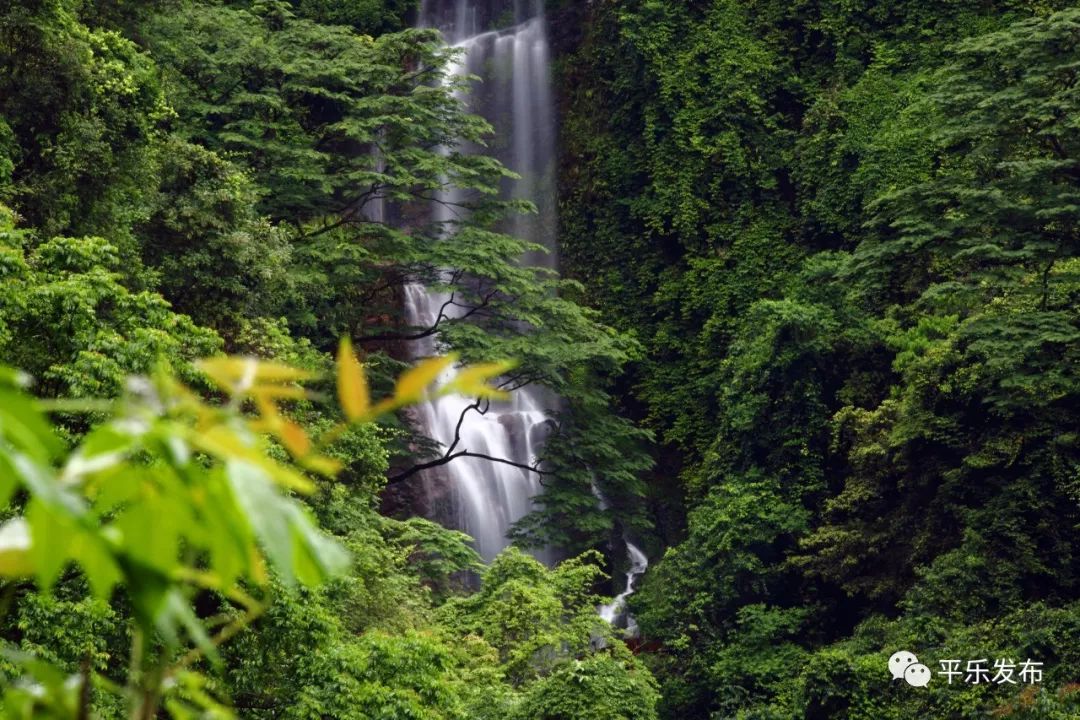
column 905, row 665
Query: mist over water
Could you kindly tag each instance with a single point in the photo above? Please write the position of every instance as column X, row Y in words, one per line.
column 504, row 43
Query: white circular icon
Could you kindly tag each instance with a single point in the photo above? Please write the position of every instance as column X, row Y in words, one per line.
column 900, row 661
column 917, row 675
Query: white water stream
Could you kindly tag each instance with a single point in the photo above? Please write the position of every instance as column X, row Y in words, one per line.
column 506, row 44
column 615, row 611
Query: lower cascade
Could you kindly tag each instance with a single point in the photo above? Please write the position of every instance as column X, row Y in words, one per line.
column 615, row 611
column 479, row 495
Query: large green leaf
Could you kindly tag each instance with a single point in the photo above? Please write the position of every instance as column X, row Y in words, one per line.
column 296, row 548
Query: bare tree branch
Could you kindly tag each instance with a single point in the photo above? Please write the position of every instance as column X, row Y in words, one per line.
column 438, row 462
column 481, row 406
column 470, row 310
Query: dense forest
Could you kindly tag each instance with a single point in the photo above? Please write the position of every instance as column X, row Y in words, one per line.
column 802, row 312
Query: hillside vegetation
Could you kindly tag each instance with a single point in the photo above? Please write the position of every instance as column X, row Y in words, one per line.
column 815, row 341
column 847, row 236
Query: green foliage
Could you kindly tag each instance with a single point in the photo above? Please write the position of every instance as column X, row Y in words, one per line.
column 533, row 617
column 591, row 452
column 837, row 242
column 407, row 674
column 178, row 503
column 367, row 16
column 215, row 258
column 85, row 107
column 301, row 103
column 1001, row 216
column 599, row 688
column 326, row 122
column 7, row 149
column 134, row 506
column 437, row 554
column 542, row 627
column 66, row 318
column 988, row 244
column 846, row 235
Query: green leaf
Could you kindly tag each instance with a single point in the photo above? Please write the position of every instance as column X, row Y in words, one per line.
column 26, row 428
column 293, row 544
column 9, row 479
column 52, row 535
column 151, row 529
column 227, row 533
column 12, row 378
column 15, row 556
column 177, row 611
column 98, row 564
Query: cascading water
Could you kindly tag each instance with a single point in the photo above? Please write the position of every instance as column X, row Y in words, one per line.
column 615, row 611
column 506, row 44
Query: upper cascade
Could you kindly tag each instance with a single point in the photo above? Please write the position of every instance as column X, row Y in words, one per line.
column 462, row 19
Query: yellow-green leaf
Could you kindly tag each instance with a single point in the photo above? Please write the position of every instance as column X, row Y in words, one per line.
column 412, row 384
column 473, row 380
column 323, row 465
column 294, row 438
column 224, row 444
column 278, row 392
column 240, row 374
column 352, row 384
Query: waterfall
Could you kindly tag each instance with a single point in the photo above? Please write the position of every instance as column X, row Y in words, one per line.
column 506, row 44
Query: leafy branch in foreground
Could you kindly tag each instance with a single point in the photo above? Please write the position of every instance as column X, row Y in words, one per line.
column 174, row 498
